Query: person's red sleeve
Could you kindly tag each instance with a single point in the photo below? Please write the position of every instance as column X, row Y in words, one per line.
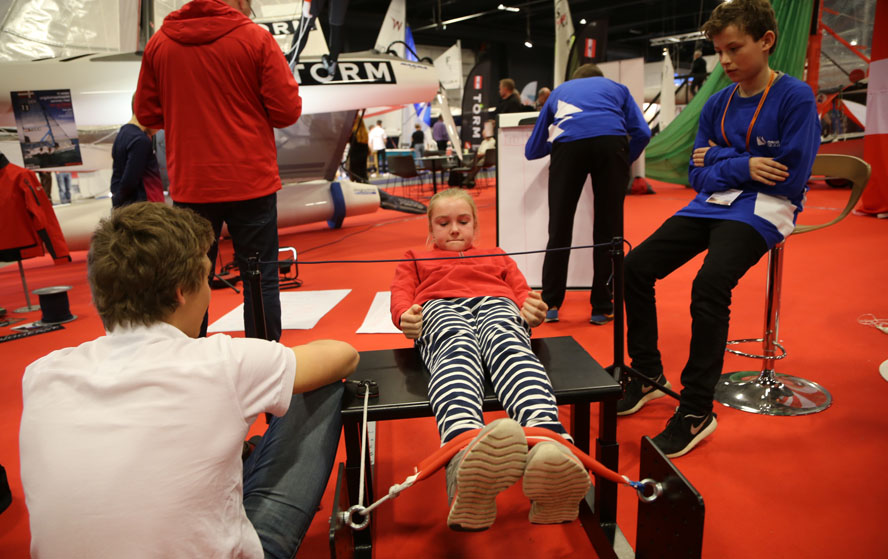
column 516, row 280
column 403, row 288
column 280, row 92
column 147, row 104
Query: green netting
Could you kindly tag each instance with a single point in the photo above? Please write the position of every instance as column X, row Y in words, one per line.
column 667, row 156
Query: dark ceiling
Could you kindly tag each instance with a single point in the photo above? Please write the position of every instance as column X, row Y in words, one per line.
column 631, row 23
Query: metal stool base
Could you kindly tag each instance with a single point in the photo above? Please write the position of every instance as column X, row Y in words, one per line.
column 29, row 308
column 770, row 393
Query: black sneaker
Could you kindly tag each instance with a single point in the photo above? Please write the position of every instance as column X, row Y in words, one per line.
column 5, row 493
column 638, row 394
column 683, row 432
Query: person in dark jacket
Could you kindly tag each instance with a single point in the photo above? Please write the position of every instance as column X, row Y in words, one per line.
column 135, row 173
column 510, row 101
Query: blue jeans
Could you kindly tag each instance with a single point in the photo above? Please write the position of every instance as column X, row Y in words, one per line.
column 285, row 476
column 252, row 225
column 64, row 180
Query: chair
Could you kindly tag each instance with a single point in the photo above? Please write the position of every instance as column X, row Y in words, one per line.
column 469, row 173
column 404, row 166
column 768, row 392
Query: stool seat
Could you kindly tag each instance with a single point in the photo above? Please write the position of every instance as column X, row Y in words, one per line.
column 767, row 392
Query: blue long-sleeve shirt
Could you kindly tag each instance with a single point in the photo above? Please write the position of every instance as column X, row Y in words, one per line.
column 588, row 108
column 787, row 130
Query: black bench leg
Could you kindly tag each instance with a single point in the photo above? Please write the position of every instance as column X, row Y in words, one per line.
column 363, row 539
column 598, row 512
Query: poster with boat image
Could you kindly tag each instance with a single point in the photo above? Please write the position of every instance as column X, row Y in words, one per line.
column 46, row 128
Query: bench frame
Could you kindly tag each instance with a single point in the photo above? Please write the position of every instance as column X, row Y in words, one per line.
column 577, row 380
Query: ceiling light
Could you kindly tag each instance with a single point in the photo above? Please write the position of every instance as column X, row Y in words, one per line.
column 527, row 42
column 508, row 8
column 854, row 42
column 582, row 21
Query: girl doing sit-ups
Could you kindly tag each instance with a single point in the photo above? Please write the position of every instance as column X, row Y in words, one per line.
column 467, row 314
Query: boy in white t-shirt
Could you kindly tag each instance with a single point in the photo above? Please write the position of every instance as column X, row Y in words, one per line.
column 131, row 443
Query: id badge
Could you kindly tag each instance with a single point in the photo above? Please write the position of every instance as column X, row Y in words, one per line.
column 725, row 197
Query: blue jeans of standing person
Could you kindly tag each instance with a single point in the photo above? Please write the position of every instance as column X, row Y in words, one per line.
column 64, row 180
column 285, row 476
column 252, row 225
column 732, row 248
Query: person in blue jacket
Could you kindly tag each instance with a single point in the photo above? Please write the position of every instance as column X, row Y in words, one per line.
column 752, row 157
column 592, row 127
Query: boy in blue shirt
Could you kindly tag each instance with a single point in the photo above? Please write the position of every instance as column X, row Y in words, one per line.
column 752, row 157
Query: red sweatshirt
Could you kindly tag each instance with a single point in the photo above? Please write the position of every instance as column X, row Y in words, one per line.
column 218, row 85
column 27, row 220
column 425, row 280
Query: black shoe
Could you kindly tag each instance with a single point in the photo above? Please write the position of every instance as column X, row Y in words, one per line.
column 683, row 432
column 5, row 493
column 638, row 394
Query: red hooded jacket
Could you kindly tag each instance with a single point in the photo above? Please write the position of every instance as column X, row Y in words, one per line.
column 27, row 220
column 218, row 85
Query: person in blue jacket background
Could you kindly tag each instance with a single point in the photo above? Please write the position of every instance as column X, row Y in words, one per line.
column 592, row 127
column 752, row 157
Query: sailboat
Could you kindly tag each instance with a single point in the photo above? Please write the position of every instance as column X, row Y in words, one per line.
column 101, row 86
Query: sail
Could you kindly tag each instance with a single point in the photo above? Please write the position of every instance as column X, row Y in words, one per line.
column 392, row 28
column 449, row 66
column 65, row 28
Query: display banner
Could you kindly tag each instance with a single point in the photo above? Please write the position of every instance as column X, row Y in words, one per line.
column 564, row 37
column 592, row 42
column 475, row 104
column 874, row 200
column 46, row 128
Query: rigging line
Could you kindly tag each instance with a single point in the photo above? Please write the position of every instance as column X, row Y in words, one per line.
column 395, row 260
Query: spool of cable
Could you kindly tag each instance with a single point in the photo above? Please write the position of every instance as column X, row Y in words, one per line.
column 54, row 304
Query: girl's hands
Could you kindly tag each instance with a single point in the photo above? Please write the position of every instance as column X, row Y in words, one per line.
column 534, row 309
column 411, row 322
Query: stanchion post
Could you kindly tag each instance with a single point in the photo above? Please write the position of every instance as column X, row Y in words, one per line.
column 254, row 280
column 617, row 257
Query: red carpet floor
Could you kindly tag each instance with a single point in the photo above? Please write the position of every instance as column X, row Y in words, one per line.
column 787, row 487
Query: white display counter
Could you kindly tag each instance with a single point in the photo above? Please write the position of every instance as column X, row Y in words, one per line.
column 522, row 206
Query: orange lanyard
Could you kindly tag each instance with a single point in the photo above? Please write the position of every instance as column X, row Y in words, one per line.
column 754, row 116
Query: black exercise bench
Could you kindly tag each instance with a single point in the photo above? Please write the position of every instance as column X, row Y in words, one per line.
column 577, row 379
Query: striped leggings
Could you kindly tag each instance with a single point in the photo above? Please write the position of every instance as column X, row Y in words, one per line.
column 461, row 336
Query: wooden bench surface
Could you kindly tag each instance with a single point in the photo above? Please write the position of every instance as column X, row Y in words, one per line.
column 403, row 382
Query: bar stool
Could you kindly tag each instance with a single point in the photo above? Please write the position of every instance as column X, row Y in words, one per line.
column 768, row 392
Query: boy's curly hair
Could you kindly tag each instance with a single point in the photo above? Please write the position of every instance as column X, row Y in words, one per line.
column 139, row 256
column 754, row 17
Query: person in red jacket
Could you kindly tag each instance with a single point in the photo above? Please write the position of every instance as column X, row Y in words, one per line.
column 218, row 85
column 467, row 309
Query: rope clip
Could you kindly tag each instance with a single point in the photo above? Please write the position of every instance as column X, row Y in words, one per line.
column 348, row 517
column 648, row 490
column 361, row 387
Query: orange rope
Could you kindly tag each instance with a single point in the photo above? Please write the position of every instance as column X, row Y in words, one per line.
column 443, row 455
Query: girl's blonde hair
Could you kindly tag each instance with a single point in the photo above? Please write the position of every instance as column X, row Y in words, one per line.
column 457, row 193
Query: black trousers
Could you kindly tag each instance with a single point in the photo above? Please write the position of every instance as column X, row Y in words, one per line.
column 732, row 248
column 606, row 160
column 252, row 225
